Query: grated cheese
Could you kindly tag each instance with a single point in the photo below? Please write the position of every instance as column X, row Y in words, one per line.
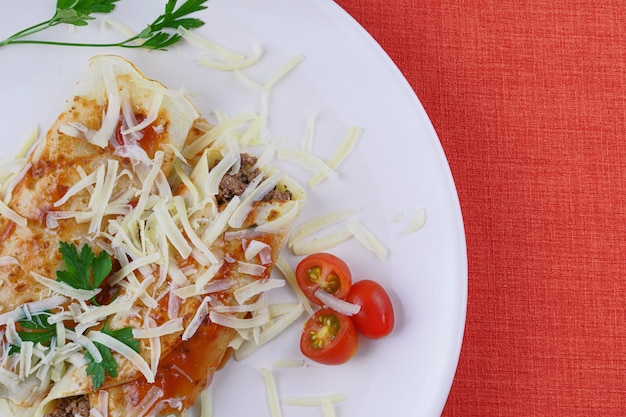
column 247, row 348
column 309, row 133
column 367, row 238
column 206, row 403
column 256, row 287
column 242, row 211
column 181, row 209
column 272, row 392
column 148, row 183
column 329, row 409
column 151, row 397
column 315, row 401
column 85, row 342
column 283, row 266
column 254, row 248
column 201, row 313
column 337, row 304
column 244, row 308
column 284, row 70
column 416, row 223
column 12, row 215
column 236, row 323
column 134, row 265
column 322, row 243
column 153, row 113
column 318, row 223
column 210, row 45
column 169, row 327
column 347, row 145
column 220, row 222
column 82, row 184
column 232, row 65
column 121, row 28
column 222, row 130
column 98, row 313
column 33, row 308
column 188, row 291
column 64, row 289
column 288, row 363
column 169, row 227
column 305, row 160
column 124, row 350
column 109, row 122
column 8, row 378
column 25, row 364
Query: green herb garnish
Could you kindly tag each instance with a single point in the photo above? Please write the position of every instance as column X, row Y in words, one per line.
column 84, row 270
column 160, row 34
column 108, row 366
column 36, row 330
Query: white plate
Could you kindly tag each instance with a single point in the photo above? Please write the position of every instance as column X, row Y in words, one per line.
column 398, row 167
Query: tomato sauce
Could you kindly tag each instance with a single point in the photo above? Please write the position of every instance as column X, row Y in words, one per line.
column 188, row 369
column 149, row 141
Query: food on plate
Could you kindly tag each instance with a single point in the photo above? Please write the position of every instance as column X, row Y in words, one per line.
column 323, row 271
column 329, row 337
column 375, row 319
column 130, row 225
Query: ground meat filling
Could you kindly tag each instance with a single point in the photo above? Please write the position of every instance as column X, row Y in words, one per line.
column 235, row 184
column 71, row 407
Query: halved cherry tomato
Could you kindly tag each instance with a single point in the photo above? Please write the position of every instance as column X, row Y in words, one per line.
column 329, row 337
column 376, row 318
column 325, row 271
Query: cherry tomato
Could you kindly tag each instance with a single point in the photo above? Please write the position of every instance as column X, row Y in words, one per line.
column 325, row 271
column 329, row 337
column 375, row 319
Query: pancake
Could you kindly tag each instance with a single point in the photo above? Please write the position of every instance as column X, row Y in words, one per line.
column 183, row 234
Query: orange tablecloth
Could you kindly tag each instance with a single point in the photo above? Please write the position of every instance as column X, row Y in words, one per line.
column 529, row 101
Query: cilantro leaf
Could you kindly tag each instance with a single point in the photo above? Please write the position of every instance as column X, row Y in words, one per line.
column 83, row 270
column 108, row 366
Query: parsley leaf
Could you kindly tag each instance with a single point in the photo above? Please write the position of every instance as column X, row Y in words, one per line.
column 36, row 330
column 155, row 33
column 108, row 366
column 71, row 12
column 84, row 270
column 160, row 34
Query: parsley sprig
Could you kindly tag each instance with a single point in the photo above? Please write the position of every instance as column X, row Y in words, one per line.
column 160, row 34
column 84, row 270
column 98, row 370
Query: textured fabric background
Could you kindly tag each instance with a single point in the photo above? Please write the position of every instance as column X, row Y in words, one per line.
column 528, row 99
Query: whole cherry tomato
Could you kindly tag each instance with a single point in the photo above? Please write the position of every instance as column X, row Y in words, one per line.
column 376, row 318
column 325, row 271
column 329, row 337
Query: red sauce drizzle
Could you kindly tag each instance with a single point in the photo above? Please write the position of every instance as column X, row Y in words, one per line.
column 188, row 369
